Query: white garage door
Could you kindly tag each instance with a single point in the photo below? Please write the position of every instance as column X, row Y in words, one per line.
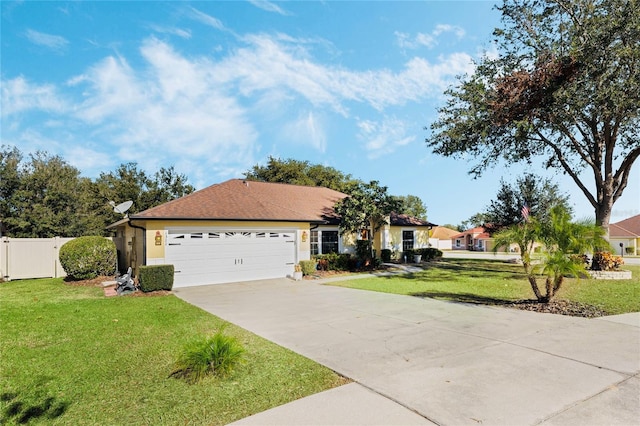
column 221, row 256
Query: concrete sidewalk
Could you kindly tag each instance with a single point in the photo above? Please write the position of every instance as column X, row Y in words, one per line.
column 422, row 361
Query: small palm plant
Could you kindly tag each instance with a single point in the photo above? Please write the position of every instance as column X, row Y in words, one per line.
column 217, row 355
column 561, row 238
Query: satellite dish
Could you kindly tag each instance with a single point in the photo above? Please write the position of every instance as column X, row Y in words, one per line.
column 122, row 207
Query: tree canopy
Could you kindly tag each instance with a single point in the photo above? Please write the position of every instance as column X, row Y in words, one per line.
column 536, row 194
column 367, row 208
column 298, row 172
column 411, row 205
column 44, row 196
column 564, row 88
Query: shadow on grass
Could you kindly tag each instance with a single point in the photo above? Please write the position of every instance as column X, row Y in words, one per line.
column 24, row 410
column 463, row 298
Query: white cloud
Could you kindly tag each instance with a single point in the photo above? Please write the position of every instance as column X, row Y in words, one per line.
column 170, row 108
column 268, row 6
column 19, row 95
column 186, row 34
column 206, row 19
column 267, row 64
column 307, row 130
column 175, row 109
column 446, row 28
column 47, row 40
column 406, row 41
column 383, row 137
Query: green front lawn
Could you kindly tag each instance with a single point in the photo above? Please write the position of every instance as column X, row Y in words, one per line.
column 71, row 356
column 497, row 282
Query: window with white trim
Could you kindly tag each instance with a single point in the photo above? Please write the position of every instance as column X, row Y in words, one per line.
column 407, row 240
column 313, row 241
column 329, row 242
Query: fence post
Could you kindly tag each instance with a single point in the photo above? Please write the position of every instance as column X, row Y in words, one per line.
column 4, row 258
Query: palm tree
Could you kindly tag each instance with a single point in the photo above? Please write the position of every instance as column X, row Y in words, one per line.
column 560, row 238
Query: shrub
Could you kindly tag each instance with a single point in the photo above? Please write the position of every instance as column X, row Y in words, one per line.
column 629, row 250
column 362, row 249
column 308, row 267
column 579, row 259
column 217, row 355
column 88, row 257
column 407, row 255
column 333, row 261
column 429, row 253
column 385, row 255
column 604, row 261
column 155, row 277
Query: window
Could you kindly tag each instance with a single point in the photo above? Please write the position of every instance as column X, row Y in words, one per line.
column 458, row 243
column 329, row 242
column 407, row 240
column 313, row 241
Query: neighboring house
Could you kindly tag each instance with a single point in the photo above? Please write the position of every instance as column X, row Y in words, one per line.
column 244, row 230
column 474, row 239
column 403, row 233
column 441, row 237
column 627, row 233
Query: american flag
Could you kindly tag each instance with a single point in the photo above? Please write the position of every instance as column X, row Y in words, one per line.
column 525, row 212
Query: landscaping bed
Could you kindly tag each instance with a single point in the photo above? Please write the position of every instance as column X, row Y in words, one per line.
column 560, row 307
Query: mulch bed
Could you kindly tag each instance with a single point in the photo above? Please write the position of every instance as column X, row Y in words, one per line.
column 560, row 307
column 97, row 282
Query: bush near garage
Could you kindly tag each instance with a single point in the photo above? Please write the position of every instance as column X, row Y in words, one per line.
column 88, row 257
column 333, row 261
column 308, row 267
column 155, row 277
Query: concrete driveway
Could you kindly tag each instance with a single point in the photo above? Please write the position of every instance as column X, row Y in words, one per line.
column 421, row 361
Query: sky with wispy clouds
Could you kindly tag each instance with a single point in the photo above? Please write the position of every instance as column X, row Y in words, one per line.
column 214, row 88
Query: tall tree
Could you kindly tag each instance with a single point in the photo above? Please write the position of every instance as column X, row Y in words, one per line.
column 129, row 183
column 412, row 205
column 367, row 208
column 536, row 194
column 165, row 186
column 10, row 158
column 563, row 88
column 48, row 200
column 298, row 172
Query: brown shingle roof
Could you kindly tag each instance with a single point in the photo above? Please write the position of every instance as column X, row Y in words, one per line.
column 397, row 219
column 443, row 233
column 236, row 199
column 625, row 228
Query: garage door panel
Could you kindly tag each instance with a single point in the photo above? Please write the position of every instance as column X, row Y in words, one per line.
column 214, row 256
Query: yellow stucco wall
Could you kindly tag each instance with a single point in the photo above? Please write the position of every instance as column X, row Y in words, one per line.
column 421, row 237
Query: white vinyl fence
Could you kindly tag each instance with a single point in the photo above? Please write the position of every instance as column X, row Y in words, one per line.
column 22, row 258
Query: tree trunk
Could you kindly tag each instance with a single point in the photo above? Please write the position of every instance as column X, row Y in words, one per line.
column 534, row 287
column 603, row 213
column 557, row 284
column 548, row 283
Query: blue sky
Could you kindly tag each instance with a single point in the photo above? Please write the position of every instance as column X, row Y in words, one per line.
column 214, row 88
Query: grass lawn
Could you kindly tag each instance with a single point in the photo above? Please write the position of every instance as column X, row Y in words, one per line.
column 496, row 282
column 71, row 356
